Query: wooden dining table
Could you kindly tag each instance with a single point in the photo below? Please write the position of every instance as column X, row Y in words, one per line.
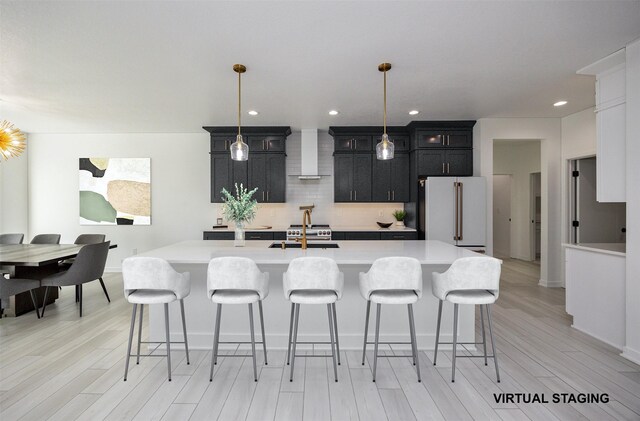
column 34, row 261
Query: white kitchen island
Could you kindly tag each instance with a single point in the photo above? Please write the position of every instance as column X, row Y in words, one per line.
column 352, row 257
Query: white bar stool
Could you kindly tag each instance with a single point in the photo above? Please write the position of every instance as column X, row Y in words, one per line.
column 313, row 280
column 392, row 280
column 237, row 280
column 469, row 280
column 150, row 280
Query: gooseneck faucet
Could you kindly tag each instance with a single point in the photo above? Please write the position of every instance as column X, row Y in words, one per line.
column 306, row 219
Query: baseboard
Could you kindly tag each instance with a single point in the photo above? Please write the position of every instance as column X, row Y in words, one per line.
column 113, row 269
column 631, row 354
column 547, row 284
column 616, row 346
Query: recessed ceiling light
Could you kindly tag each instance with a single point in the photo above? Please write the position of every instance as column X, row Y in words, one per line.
column 559, row 103
column 414, row 112
column 333, row 112
column 253, row 112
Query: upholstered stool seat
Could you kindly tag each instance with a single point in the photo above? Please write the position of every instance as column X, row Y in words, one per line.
column 313, row 280
column 150, row 280
column 235, row 296
column 391, row 280
column 474, row 296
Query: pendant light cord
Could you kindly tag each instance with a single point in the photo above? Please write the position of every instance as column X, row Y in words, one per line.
column 239, row 100
column 385, row 102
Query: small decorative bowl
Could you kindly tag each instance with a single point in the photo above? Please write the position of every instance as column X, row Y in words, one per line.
column 384, row 224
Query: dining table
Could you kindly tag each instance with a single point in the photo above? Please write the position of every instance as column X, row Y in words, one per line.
column 34, row 261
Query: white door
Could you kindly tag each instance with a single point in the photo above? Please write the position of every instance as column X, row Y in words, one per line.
column 439, row 201
column 502, row 215
column 473, row 211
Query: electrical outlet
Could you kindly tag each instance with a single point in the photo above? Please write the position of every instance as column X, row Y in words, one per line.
column 135, row 251
column 380, row 213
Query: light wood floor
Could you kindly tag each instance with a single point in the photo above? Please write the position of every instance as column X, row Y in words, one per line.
column 66, row 368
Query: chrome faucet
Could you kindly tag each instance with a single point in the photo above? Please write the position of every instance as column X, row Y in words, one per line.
column 306, row 219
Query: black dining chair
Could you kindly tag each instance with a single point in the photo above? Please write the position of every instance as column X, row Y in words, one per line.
column 87, row 239
column 88, row 266
column 46, row 239
column 11, row 238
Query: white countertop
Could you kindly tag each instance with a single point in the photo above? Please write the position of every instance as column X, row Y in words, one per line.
column 618, row 249
column 349, row 253
column 351, row 228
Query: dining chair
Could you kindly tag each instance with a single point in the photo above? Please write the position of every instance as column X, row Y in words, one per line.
column 88, row 266
column 14, row 286
column 46, row 239
column 11, row 238
column 87, row 239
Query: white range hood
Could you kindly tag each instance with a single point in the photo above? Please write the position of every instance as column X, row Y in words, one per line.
column 309, row 155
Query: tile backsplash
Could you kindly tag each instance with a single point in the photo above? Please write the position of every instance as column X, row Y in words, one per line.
column 318, row 192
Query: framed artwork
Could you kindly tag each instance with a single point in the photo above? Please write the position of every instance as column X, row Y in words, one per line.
column 115, row 191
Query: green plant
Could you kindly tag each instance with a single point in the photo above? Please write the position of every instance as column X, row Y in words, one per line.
column 241, row 207
column 399, row 215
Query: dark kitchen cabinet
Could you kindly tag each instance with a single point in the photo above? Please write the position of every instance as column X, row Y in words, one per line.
column 402, row 235
column 354, row 143
column 221, row 143
column 226, row 173
column 249, row 235
column 441, row 162
column 352, row 177
column 444, row 139
column 391, row 179
column 266, row 143
column 401, row 143
column 267, row 172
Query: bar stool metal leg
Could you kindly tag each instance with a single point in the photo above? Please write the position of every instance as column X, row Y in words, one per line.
column 335, row 330
column 435, row 353
column 295, row 339
column 332, row 338
column 133, row 324
column 184, row 331
column 375, row 348
column 140, row 333
column 366, row 330
column 484, row 338
column 216, row 333
column 455, row 343
column 166, row 325
column 253, row 343
column 493, row 345
column 293, row 307
column 414, row 342
column 264, row 340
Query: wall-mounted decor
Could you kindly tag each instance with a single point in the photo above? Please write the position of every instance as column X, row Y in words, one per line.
column 115, row 191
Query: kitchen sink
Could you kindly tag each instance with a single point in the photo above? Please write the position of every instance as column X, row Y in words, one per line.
column 309, row 245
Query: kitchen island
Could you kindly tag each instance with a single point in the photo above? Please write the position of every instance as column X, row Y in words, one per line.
column 352, row 257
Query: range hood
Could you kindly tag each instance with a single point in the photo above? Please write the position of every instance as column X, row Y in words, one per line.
column 309, row 155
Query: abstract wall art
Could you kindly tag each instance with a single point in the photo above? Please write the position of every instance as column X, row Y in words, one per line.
column 115, row 191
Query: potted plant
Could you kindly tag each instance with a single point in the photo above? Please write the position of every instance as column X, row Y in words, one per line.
column 240, row 209
column 400, row 215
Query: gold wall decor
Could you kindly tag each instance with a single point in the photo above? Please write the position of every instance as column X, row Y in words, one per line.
column 12, row 140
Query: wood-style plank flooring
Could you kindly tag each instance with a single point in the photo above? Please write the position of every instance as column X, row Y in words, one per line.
column 65, row 368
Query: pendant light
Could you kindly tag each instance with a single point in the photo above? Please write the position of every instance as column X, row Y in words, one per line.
column 239, row 149
column 384, row 149
column 12, row 140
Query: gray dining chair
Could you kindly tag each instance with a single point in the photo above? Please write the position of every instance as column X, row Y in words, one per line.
column 88, row 266
column 14, row 286
column 46, row 239
column 11, row 238
column 86, row 239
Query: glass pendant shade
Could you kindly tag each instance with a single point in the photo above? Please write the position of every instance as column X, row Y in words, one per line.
column 384, row 148
column 239, row 150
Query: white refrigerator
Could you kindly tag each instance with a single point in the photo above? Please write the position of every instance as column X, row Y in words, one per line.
column 454, row 210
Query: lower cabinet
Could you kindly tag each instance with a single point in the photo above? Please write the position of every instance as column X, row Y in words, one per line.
column 373, row 235
column 248, row 235
column 452, row 162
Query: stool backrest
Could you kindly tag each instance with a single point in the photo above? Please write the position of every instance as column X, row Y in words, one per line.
column 236, row 273
column 46, row 239
column 153, row 273
column 11, row 238
column 89, row 239
column 315, row 273
column 468, row 273
column 403, row 273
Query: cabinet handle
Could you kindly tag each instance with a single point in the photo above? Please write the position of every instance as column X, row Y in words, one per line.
column 447, row 168
column 393, row 192
column 399, row 237
column 350, row 194
column 388, row 195
column 351, row 143
column 443, row 168
column 254, row 237
column 355, row 195
column 267, row 195
column 263, row 196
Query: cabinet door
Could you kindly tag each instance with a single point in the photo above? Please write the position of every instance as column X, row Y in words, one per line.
column 221, row 143
column 362, row 235
column 400, row 189
column 343, row 177
column 400, row 142
column 430, row 139
column 353, row 143
column 611, row 167
column 266, row 143
column 239, row 174
column 391, row 235
column 381, row 189
column 459, row 139
column 431, row 163
column 362, row 177
column 276, row 178
column 220, row 176
column 459, row 162
column 258, row 176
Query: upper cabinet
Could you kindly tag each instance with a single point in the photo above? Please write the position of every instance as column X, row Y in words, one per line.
column 611, row 137
column 265, row 169
column 443, row 139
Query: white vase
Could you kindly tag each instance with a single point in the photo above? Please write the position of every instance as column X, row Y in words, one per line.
column 400, row 223
column 239, row 235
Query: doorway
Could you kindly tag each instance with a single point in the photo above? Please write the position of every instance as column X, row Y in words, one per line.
column 502, row 215
column 535, row 212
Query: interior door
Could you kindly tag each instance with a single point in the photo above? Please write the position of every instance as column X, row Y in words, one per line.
column 439, row 205
column 472, row 211
column 502, row 215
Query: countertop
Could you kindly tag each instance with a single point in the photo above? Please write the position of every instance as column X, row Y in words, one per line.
column 339, row 228
column 349, row 253
column 618, row 249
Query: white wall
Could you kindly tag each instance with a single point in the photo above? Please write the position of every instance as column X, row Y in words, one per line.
column 180, row 189
column 520, row 159
column 631, row 349
column 548, row 130
column 14, row 203
column 502, row 215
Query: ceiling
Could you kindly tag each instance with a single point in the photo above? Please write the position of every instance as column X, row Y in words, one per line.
column 93, row 67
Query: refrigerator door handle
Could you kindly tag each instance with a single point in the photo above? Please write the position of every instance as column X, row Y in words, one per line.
column 461, row 211
column 455, row 195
